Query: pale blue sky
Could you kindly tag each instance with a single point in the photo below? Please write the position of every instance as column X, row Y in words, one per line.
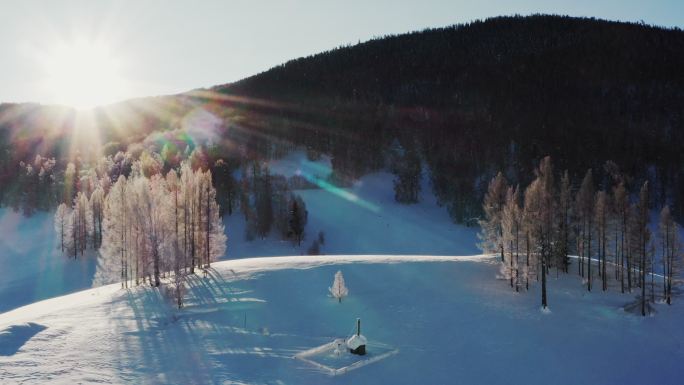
column 167, row 46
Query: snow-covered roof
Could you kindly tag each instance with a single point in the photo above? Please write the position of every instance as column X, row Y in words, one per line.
column 355, row 341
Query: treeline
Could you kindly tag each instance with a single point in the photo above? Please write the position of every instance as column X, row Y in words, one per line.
column 146, row 225
column 268, row 204
column 538, row 229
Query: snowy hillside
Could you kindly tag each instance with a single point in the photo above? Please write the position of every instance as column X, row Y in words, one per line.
column 32, row 268
column 363, row 219
column 449, row 319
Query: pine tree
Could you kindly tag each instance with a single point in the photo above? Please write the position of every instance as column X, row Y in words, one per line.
column 298, row 218
column 407, row 183
column 264, row 205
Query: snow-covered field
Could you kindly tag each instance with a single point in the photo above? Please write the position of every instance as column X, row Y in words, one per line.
column 450, row 320
column 31, row 267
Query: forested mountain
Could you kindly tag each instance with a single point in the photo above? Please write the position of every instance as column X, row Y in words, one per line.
column 465, row 101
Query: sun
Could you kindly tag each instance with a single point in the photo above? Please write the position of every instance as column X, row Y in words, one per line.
column 84, row 74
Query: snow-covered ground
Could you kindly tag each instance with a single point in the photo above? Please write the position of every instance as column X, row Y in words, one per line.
column 363, row 219
column 450, row 320
column 31, row 267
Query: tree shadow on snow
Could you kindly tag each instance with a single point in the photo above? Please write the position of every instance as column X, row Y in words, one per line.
column 161, row 343
column 15, row 336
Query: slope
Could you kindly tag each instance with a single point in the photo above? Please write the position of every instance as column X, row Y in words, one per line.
column 244, row 322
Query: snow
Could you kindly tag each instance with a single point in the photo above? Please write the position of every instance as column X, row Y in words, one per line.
column 449, row 319
column 32, row 268
column 335, row 359
column 355, row 341
column 14, row 337
column 296, row 163
column 362, row 219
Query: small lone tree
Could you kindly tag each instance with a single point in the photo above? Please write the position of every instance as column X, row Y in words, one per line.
column 338, row 289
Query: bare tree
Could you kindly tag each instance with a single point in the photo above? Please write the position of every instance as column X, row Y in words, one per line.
column 668, row 233
column 585, row 214
column 601, row 218
column 494, row 200
column 563, row 226
column 539, row 211
column 621, row 214
column 642, row 238
column 61, row 224
column 512, row 221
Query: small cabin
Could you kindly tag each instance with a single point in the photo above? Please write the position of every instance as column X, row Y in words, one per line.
column 357, row 342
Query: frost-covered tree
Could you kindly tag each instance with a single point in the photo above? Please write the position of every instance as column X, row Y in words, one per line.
column 172, row 242
column 564, row 215
column 81, row 224
column 494, row 200
column 61, row 225
column 70, row 179
column 212, row 234
column 512, row 222
column 115, row 241
column 157, row 226
column 97, row 211
column 538, row 223
column 338, row 289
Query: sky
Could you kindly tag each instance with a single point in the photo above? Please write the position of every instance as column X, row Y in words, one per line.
column 86, row 53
